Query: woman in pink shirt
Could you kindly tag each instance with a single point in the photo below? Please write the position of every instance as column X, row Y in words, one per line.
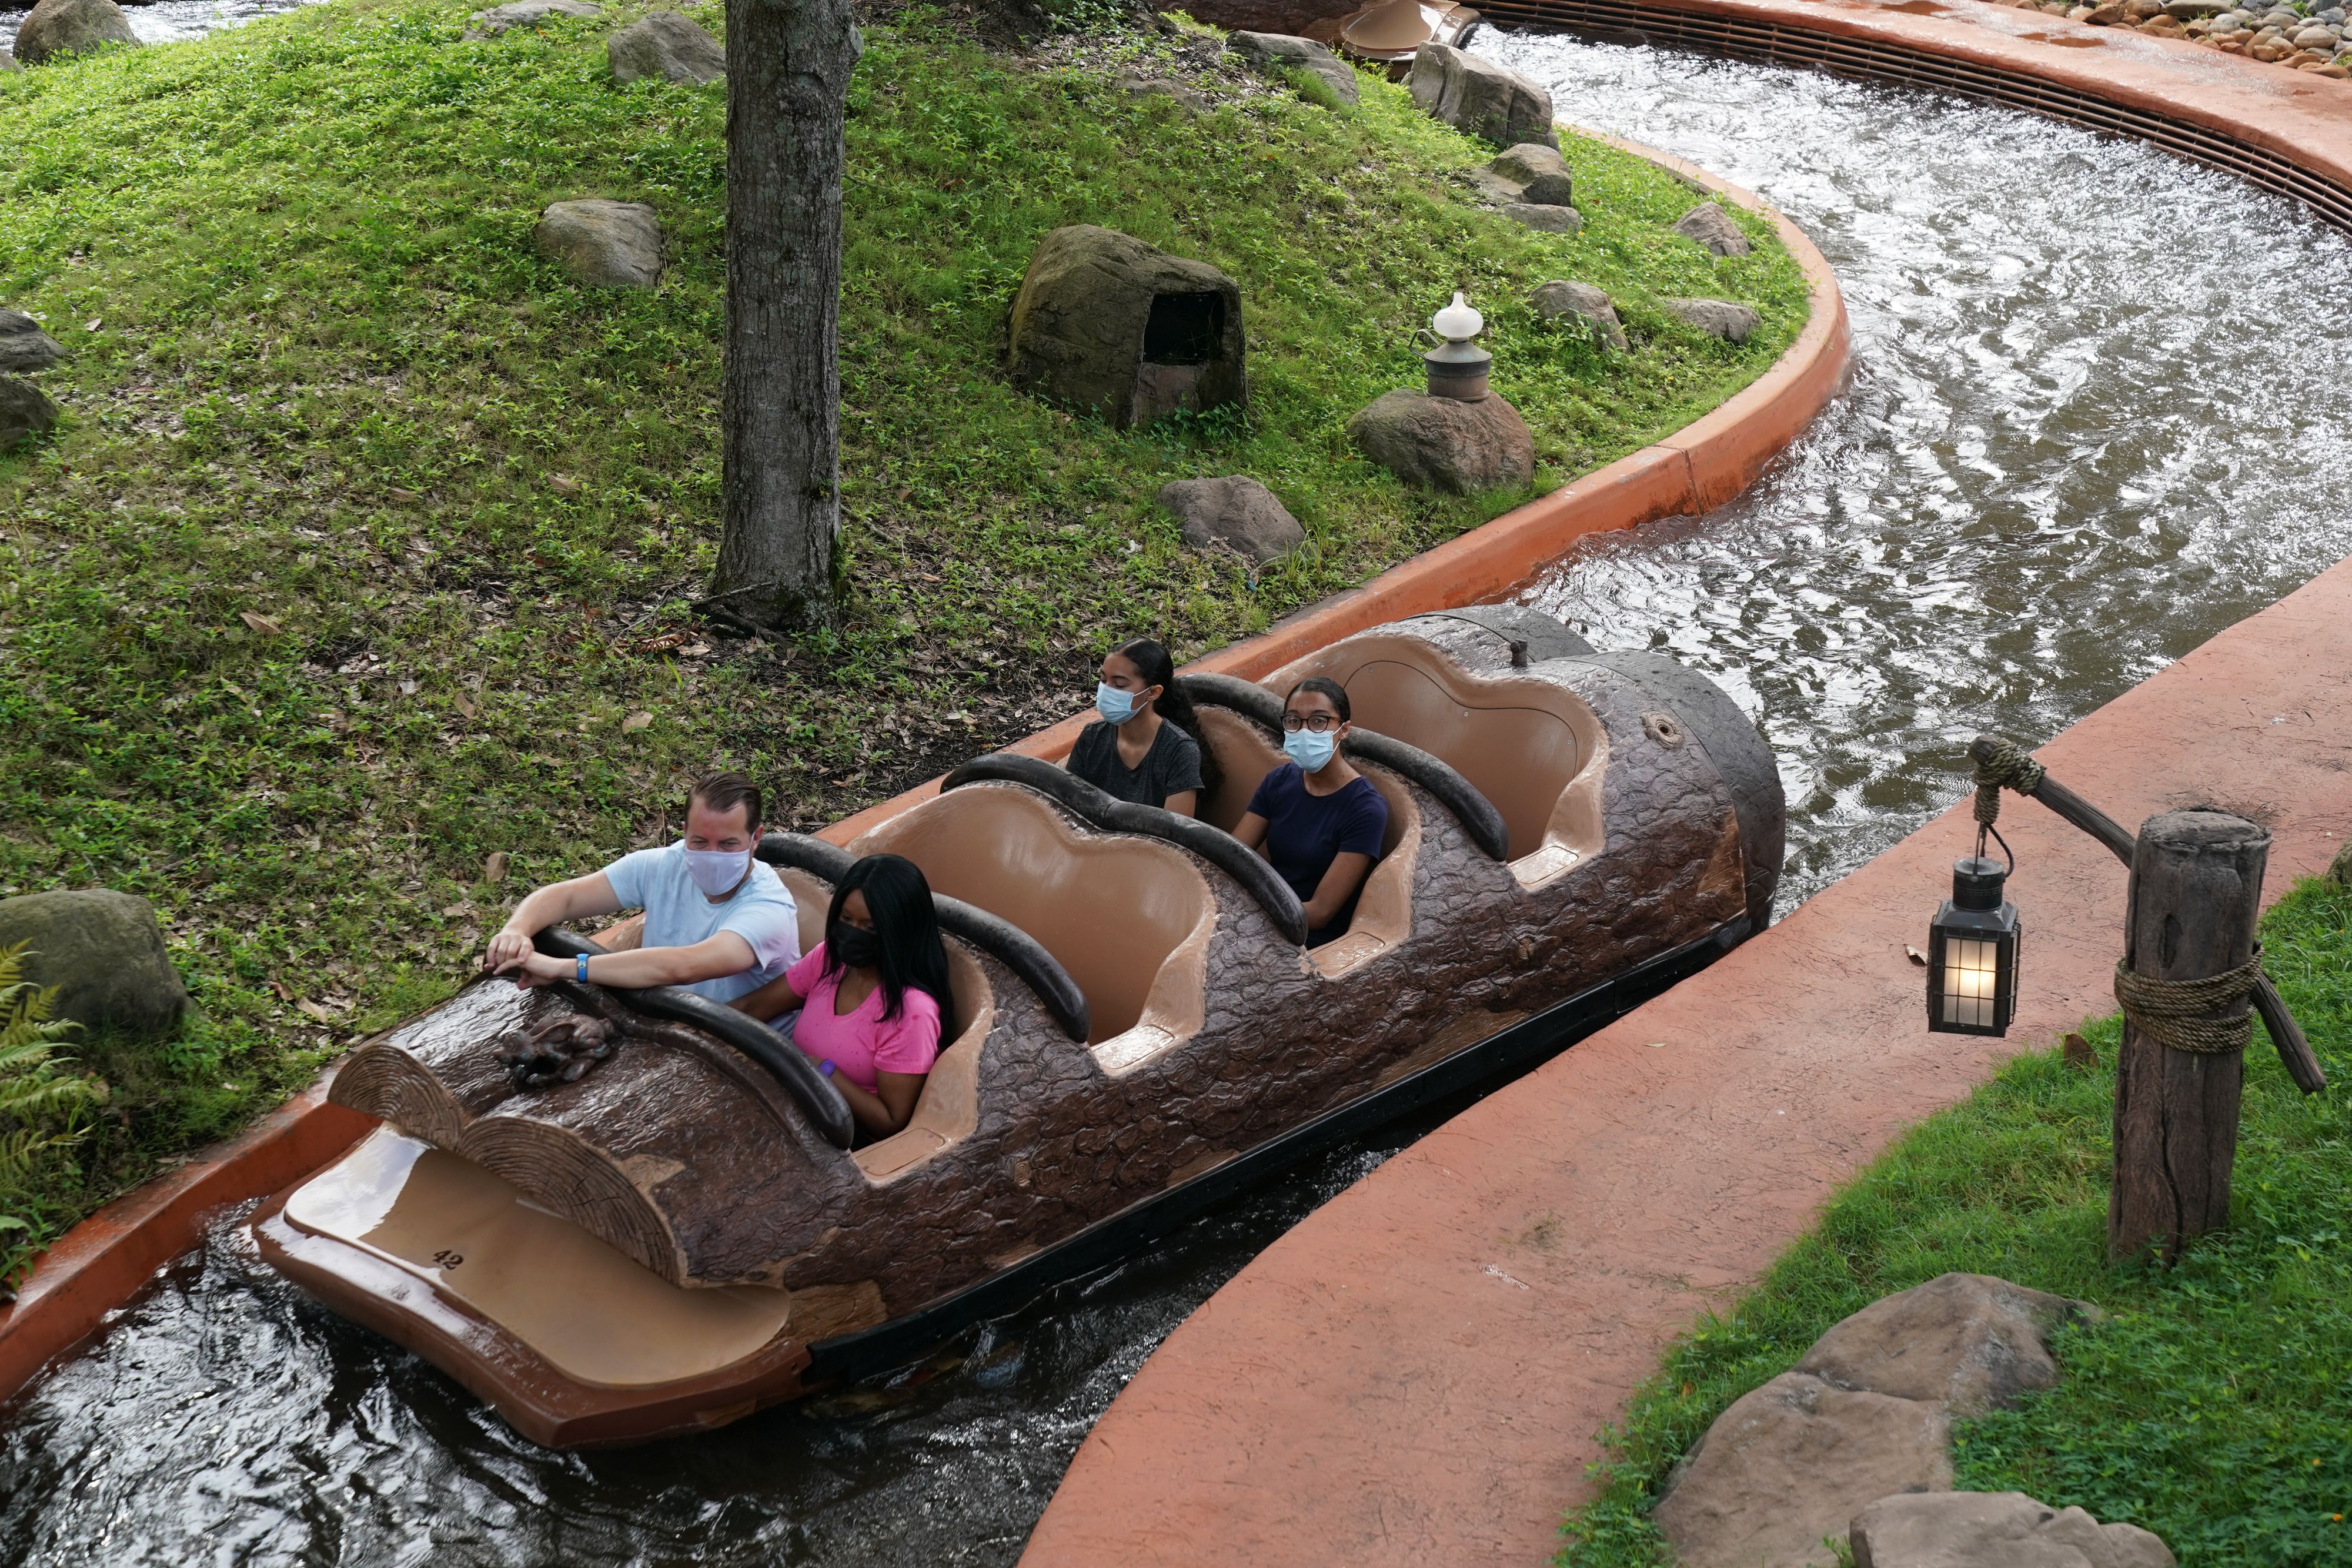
column 873, row 995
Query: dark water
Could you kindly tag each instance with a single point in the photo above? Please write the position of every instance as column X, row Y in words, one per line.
column 168, row 21
column 2096, row 417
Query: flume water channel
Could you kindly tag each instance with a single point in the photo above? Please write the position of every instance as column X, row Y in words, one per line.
column 2096, row 417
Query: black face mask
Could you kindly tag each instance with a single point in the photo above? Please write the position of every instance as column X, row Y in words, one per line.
column 853, row 945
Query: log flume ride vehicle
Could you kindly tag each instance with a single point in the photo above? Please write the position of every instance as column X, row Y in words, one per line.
column 682, row 1232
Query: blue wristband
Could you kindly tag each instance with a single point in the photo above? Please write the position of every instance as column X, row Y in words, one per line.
column 580, row 969
column 825, row 1069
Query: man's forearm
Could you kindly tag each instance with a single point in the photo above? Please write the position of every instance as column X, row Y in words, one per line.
column 671, row 966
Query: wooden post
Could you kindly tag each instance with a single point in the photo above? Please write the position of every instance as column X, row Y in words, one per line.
column 2196, row 893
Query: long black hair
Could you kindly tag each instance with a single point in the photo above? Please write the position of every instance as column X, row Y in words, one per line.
column 906, row 927
column 1152, row 662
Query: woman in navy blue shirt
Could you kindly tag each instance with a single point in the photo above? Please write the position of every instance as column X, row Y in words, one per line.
column 1316, row 820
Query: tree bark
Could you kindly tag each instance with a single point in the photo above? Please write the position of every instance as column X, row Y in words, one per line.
column 2196, row 893
column 788, row 64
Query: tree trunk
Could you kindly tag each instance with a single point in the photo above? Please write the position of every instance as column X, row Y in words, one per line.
column 2196, row 893
column 788, row 64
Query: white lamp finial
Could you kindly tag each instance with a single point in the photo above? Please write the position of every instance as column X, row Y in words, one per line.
column 1458, row 322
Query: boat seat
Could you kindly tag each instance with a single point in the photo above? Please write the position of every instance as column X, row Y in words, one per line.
column 1128, row 918
column 1384, row 917
column 948, row 1107
column 1532, row 747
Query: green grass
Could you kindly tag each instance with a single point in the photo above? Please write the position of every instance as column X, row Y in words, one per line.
column 2214, row 1406
column 365, row 537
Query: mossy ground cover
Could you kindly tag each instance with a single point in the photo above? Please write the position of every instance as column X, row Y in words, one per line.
column 360, row 557
column 2213, row 1405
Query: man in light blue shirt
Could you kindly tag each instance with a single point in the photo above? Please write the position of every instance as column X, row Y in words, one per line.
column 718, row 920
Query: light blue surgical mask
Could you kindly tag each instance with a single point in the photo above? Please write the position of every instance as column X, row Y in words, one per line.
column 1309, row 750
column 1114, row 704
column 717, row 872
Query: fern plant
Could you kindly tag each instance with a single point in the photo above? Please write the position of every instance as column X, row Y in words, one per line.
column 39, row 1102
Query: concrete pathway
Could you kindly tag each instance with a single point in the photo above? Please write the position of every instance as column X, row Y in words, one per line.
column 1416, row 1373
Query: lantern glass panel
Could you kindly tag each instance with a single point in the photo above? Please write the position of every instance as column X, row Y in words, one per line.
column 1972, row 952
column 1971, row 976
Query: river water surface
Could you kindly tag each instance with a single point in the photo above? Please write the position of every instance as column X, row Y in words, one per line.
column 2097, row 417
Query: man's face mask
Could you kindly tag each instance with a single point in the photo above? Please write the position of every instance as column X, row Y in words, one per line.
column 717, row 871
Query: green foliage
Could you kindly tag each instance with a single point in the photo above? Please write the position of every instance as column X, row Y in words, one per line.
column 39, row 1102
column 365, row 535
column 2214, row 1406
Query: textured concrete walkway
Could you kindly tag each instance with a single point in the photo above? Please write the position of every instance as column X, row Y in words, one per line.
column 1416, row 1373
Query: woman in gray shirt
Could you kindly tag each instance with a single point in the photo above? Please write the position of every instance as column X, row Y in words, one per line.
column 1145, row 747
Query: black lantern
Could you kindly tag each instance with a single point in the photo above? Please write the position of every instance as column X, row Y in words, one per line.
column 1972, row 952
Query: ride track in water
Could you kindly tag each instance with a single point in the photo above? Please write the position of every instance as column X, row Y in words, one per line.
column 315, row 1446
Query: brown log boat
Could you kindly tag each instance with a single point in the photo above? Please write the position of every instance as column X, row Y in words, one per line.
column 686, row 1233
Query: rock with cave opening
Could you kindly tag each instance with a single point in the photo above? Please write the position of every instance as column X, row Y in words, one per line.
column 1117, row 327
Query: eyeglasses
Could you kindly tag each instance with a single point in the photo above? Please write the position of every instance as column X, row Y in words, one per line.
column 1320, row 723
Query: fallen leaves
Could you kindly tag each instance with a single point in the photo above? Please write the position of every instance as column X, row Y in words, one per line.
column 1915, row 956
column 636, row 722
column 260, row 625
column 563, row 483
column 494, row 869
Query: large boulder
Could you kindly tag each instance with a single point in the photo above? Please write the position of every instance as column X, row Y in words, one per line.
column 525, row 13
column 1284, row 51
column 23, row 413
column 104, row 953
column 61, row 27
column 1709, row 226
column 1791, row 1464
column 1587, row 304
column 1445, row 443
column 1235, row 511
column 1539, row 171
column 607, row 244
column 1116, row 327
column 1726, row 318
column 24, row 346
column 1481, row 99
column 668, row 46
column 1995, row 1530
column 1970, row 1342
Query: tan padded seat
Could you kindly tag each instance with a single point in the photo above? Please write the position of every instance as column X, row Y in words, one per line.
column 1127, row 918
column 1525, row 744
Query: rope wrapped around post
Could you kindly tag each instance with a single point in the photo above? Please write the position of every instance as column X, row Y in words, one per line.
column 2178, row 1013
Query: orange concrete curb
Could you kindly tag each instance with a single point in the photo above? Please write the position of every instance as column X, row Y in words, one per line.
column 101, row 1262
column 106, row 1259
column 1416, row 1373
column 1696, row 469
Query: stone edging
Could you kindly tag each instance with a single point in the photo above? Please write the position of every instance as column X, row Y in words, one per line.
column 102, row 1263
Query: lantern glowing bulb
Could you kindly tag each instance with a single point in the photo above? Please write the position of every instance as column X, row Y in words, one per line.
column 1972, row 950
column 1458, row 322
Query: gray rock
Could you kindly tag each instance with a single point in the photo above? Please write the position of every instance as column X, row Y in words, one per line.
column 1125, row 331
column 23, row 413
column 1543, row 177
column 2314, row 38
column 1236, row 512
column 23, row 346
column 525, row 13
column 1711, row 226
column 2194, row 10
column 1491, row 186
column 1995, row 1530
column 1971, row 1342
column 1591, row 306
column 1283, row 52
column 668, row 46
column 1190, row 98
column 104, row 953
column 1443, row 444
column 59, row 27
column 1725, row 318
column 1550, row 220
column 2339, row 869
column 8, row 62
column 607, row 245
column 1480, row 98
column 1791, row 1464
